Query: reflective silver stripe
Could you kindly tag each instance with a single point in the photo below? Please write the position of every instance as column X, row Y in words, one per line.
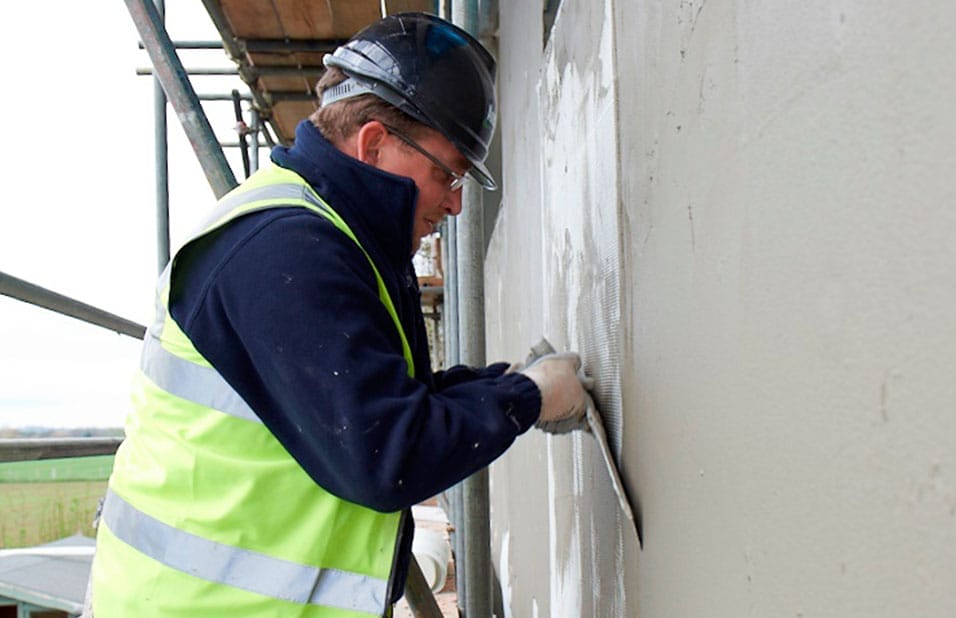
column 231, row 201
column 286, row 190
column 241, row 568
column 161, row 285
column 192, row 382
column 268, row 192
column 204, row 385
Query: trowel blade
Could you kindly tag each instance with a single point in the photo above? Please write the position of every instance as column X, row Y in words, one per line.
column 596, row 426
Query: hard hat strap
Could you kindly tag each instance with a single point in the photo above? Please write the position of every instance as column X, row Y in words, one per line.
column 348, row 89
column 353, row 87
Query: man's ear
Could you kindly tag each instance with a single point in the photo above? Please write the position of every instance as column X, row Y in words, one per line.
column 369, row 142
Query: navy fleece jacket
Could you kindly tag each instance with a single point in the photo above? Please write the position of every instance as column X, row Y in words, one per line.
column 286, row 308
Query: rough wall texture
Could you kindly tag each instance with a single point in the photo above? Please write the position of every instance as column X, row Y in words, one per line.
column 742, row 214
column 554, row 269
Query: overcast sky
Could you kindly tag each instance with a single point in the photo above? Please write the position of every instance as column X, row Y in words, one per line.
column 78, row 207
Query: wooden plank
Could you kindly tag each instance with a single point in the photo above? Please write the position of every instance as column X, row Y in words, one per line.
column 404, row 6
column 305, row 19
column 350, row 17
column 280, row 59
column 287, row 114
column 252, row 19
column 286, row 84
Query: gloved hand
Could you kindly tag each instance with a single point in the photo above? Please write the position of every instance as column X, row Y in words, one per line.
column 564, row 398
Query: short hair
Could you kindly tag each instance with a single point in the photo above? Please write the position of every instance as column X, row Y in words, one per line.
column 340, row 120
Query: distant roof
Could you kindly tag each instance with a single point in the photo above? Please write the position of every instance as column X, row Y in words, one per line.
column 279, row 46
column 55, row 576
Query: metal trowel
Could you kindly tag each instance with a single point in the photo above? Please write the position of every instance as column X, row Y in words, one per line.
column 592, row 423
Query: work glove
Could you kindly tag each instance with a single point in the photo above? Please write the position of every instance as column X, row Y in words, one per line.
column 564, row 388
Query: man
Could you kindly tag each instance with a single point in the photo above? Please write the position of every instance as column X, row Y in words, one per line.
column 286, row 416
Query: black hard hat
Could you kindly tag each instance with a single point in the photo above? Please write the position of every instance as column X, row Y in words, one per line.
column 430, row 69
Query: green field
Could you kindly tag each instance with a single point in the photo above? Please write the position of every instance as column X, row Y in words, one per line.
column 41, row 501
column 73, row 469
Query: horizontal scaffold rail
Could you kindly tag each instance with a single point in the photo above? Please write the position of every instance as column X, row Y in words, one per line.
column 28, row 292
column 31, row 449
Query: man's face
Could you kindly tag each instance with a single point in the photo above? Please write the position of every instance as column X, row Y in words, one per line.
column 433, row 176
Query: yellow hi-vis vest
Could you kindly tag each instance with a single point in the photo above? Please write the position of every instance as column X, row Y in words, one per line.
column 206, row 513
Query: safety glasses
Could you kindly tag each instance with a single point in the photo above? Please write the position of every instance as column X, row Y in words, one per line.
column 455, row 180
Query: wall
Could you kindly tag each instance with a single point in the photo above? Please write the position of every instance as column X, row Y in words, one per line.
column 742, row 214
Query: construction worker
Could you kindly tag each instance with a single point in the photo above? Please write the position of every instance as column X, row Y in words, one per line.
column 286, row 416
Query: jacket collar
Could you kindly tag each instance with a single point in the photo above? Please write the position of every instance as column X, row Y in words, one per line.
column 377, row 205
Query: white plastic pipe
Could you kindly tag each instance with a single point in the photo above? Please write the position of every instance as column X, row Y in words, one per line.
column 433, row 552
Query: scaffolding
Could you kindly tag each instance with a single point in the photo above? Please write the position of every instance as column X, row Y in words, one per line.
column 279, row 68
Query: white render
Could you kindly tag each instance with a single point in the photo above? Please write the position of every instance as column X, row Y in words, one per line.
column 743, row 214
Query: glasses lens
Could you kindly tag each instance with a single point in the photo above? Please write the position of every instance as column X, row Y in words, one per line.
column 457, row 182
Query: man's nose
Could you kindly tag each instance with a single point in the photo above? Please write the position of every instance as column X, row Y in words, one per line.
column 453, row 202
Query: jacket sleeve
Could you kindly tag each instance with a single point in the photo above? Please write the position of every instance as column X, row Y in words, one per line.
column 287, row 310
column 463, row 373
